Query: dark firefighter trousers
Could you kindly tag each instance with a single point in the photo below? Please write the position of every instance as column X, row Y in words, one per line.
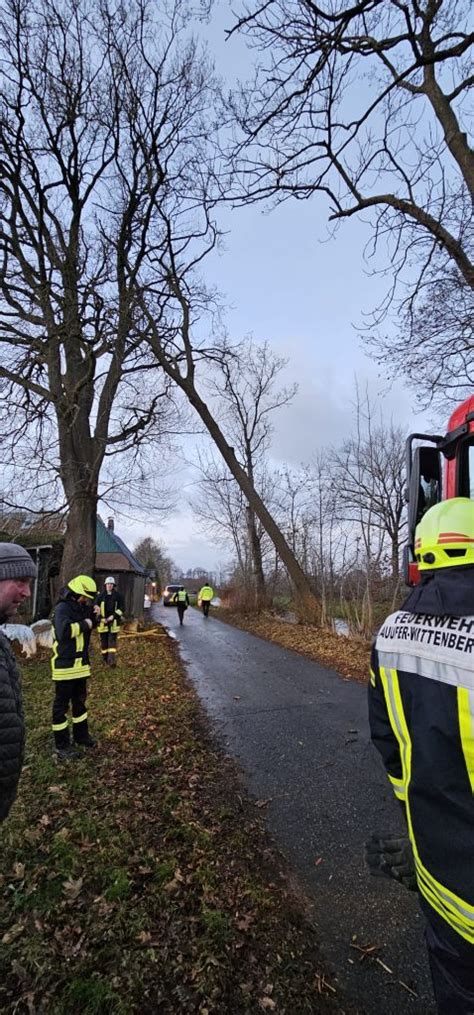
column 108, row 647
column 452, row 967
column 74, row 692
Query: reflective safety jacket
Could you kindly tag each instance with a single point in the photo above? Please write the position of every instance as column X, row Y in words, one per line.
column 421, row 710
column 181, row 596
column 72, row 636
column 111, row 605
column 206, row 594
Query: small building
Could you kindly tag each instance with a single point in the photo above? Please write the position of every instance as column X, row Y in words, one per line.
column 114, row 558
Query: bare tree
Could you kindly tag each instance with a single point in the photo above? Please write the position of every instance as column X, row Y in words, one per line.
column 220, row 507
column 308, row 512
column 170, row 327
column 368, row 104
column 87, row 93
column 247, row 398
column 153, row 556
column 368, row 484
column 434, row 348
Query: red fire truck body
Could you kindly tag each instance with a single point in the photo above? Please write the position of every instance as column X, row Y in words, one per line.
column 437, row 469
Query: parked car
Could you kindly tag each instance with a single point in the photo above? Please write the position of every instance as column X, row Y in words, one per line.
column 146, row 603
column 168, row 592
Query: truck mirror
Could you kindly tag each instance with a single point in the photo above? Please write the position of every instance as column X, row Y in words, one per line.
column 425, row 485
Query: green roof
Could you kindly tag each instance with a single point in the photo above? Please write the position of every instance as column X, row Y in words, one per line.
column 108, row 542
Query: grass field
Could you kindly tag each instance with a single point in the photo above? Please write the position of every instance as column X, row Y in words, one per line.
column 139, row 879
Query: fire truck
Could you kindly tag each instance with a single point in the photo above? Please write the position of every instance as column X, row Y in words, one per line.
column 438, row 468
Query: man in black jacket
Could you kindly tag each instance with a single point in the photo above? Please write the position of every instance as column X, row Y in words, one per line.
column 73, row 621
column 421, row 709
column 16, row 571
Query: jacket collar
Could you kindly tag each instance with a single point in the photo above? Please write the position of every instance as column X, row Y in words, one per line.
column 447, row 592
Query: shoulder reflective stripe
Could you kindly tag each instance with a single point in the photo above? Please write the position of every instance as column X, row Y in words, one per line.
column 57, row 726
column 372, row 677
column 80, row 718
column 443, row 672
column 466, row 729
column 445, row 644
column 458, row 913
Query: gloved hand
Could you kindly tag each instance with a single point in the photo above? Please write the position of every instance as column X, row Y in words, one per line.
column 88, row 621
column 392, row 857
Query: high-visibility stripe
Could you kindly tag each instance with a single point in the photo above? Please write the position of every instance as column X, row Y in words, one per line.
column 75, row 630
column 398, row 787
column 72, row 672
column 454, row 910
column 57, row 726
column 109, row 650
column 372, row 677
column 453, row 671
column 466, row 729
column 454, row 537
column 80, row 718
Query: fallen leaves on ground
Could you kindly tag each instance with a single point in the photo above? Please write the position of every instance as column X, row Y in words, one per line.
column 140, row 877
column 349, row 656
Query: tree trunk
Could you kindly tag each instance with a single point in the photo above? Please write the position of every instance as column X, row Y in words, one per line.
column 307, row 606
column 80, row 544
column 81, row 460
column 395, row 558
column 256, row 550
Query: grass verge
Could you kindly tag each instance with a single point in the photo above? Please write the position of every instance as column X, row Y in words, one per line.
column 138, row 879
column 349, row 656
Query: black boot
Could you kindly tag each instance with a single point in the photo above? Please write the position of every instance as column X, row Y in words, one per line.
column 87, row 742
column 68, row 753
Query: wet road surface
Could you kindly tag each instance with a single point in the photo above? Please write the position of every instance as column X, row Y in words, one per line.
column 300, row 735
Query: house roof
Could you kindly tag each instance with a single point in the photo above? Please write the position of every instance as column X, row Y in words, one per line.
column 107, row 543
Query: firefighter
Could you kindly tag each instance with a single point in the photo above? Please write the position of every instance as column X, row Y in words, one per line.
column 204, row 598
column 74, row 617
column 421, row 710
column 181, row 599
column 110, row 604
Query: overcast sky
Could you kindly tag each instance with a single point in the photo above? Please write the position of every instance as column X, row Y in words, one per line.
column 286, row 283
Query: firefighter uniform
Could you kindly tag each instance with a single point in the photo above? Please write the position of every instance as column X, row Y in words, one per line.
column 421, row 710
column 111, row 606
column 70, row 665
column 181, row 599
column 204, row 598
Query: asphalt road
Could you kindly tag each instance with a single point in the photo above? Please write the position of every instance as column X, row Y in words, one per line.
column 300, row 735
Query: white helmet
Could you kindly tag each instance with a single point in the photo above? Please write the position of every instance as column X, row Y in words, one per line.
column 109, row 581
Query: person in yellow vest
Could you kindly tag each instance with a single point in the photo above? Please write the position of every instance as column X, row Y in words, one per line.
column 74, row 617
column 204, row 598
column 181, row 599
column 110, row 604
